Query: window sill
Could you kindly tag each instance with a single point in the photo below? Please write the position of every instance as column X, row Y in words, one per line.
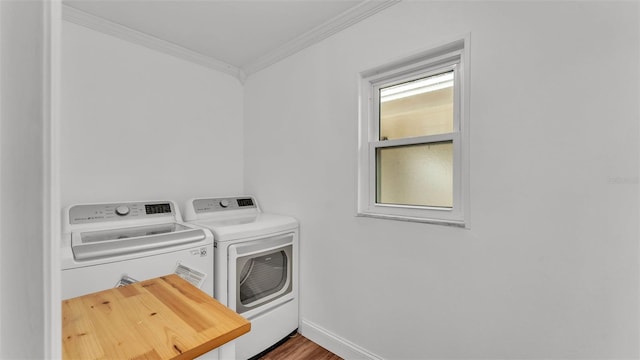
column 452, row 223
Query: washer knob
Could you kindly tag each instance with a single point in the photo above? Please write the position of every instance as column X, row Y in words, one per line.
column 122, row 210
column 224, row 203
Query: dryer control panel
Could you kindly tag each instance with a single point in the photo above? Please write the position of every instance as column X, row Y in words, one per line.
column 94, row 213
column 223, row 204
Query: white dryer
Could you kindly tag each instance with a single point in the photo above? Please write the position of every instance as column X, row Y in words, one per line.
column 256, row 268
column 108, row 245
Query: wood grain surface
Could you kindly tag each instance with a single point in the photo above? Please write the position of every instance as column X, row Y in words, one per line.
column 298, row 347
column 161, row 318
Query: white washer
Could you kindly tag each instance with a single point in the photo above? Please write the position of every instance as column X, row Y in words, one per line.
column 256, row 268
column 111, row 244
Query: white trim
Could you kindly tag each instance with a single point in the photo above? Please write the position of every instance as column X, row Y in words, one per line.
column 453, row 223
column 436, row 57
column 348, row 18
column 102, row 25
column 334, row 343
column 51, row 185
column 374, row 144
column 1, row 119
column 319, row 33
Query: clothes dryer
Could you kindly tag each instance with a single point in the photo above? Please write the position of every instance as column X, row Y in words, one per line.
column 256, row 268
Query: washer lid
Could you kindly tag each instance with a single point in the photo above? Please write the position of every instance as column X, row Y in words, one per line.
column 240, row 227
column 112, row 242
column 126, row 233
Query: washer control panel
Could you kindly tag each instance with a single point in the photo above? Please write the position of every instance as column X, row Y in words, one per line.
column 223, row 204
column 94, row 213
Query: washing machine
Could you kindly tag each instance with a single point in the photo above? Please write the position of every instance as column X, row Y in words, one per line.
column 113, row 244
column 256, row 268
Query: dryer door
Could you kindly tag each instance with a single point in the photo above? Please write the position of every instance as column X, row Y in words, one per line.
column 261, row 272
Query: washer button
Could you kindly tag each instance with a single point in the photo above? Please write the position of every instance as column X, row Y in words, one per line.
column 122, row 210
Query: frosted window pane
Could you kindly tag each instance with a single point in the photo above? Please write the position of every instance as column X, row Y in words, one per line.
column 419, row 175
column 417, row 108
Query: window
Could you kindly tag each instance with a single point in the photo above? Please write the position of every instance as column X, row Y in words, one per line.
column 413, row 146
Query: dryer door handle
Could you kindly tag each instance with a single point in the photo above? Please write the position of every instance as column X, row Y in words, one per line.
column 261, row 245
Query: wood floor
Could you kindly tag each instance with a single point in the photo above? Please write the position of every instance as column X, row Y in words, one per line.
column 298, row 347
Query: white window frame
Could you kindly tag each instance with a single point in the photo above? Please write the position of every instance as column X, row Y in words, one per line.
column 452, row 56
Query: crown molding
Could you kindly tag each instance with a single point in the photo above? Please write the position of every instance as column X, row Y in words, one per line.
column 319, row 33
column 348, row 18
column 102, row 25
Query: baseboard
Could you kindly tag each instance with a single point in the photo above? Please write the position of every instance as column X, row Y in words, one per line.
column 334, row 343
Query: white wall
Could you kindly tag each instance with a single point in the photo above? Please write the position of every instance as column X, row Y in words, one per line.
column 549, row 265
column 138, row 124
column 22, row 173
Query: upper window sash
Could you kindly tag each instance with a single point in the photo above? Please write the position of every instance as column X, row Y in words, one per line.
column 374, row 105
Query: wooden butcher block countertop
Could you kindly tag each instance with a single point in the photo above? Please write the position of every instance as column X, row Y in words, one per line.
column 161, row 318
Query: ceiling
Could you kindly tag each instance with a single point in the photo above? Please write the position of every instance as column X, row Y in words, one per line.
column 242, row 35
